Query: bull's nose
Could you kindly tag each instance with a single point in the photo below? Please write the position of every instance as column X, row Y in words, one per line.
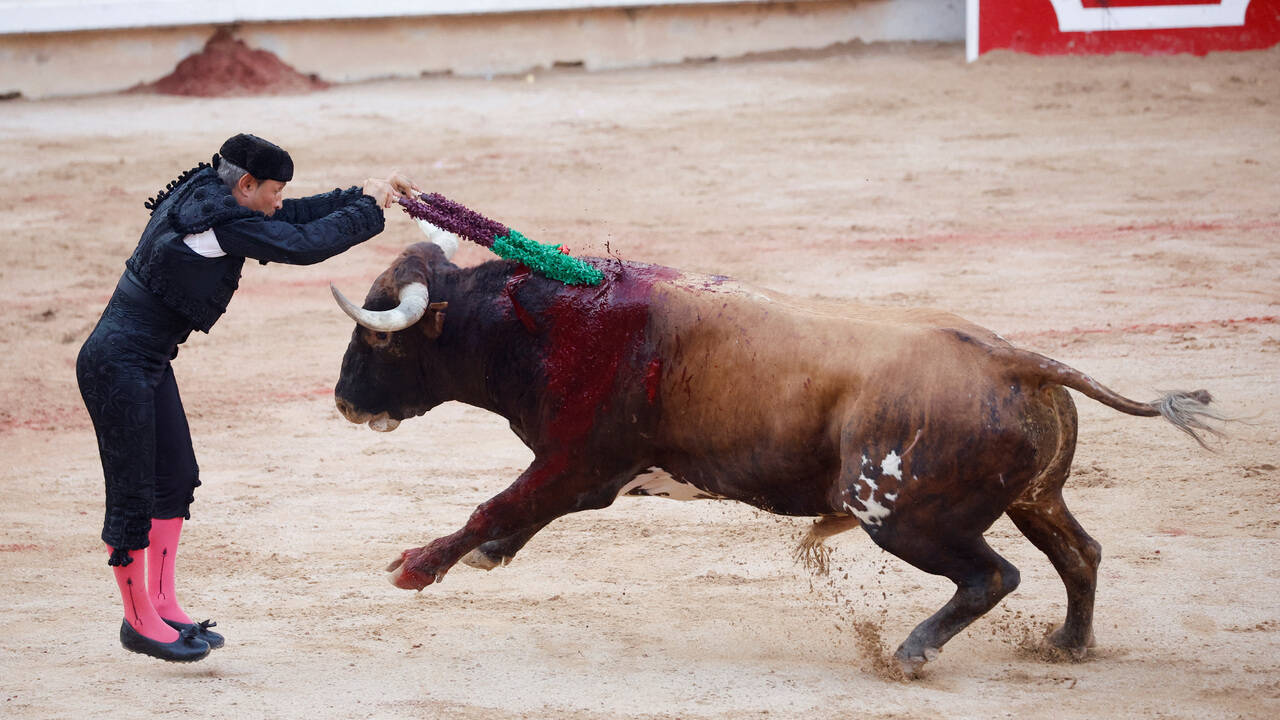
column 349, row 411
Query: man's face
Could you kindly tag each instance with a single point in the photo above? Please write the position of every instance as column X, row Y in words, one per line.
column 264, row 196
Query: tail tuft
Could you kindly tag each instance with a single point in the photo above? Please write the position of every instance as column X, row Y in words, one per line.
column 1190, row 413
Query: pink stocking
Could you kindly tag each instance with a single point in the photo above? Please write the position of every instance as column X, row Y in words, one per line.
column 161, row 556
column 138, row 611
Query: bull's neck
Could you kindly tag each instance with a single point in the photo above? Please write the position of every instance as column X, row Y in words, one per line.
column 482, row 358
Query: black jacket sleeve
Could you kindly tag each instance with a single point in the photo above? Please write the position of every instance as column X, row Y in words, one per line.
column 314, row 229
column 304, row 210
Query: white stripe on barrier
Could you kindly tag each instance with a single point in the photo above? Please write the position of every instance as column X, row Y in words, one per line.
column 1073, row 16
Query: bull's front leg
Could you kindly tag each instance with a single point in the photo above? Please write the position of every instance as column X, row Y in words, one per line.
column 497, row 553
column 545, row 491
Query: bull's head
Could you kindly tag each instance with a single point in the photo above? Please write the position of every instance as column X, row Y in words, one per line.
column 385, row 371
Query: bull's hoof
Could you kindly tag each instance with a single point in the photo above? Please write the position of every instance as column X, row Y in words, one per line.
column 406, row 578
column 1075, row 650
column 911, row 664
column 480, row 559
column 409, row 580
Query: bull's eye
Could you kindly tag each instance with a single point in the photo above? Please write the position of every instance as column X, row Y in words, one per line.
column 377, row 338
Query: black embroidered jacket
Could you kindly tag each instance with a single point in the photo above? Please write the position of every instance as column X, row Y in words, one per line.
column 302, row 232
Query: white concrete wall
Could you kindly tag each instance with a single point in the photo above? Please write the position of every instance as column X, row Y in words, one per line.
column 49, row 64
column 25, row 16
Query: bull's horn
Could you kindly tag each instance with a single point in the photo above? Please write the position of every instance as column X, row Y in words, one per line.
column 445, row 239
column 413, row 305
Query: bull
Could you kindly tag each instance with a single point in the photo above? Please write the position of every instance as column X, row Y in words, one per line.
column 914, row 424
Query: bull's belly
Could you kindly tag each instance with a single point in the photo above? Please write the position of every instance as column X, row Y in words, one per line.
column 801, row 494
column 656, row 482
column 954, row 456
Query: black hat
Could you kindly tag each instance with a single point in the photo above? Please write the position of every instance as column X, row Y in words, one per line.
column 263, row 160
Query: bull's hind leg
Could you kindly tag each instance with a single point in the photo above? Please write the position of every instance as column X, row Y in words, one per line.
column 1049, row 525
column 1041, row 515
column 981, row 576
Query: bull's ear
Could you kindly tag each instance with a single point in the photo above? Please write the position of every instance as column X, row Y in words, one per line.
column 433, row 323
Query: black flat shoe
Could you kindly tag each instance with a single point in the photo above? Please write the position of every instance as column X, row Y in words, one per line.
column 187, row 648
column 202, row 631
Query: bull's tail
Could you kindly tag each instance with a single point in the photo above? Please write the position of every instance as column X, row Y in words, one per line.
column 1187, row 411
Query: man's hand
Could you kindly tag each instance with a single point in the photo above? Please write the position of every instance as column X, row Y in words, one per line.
column 403, row 184
column 387, row 191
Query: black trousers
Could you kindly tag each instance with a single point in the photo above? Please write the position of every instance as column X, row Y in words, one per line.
column 144, row 442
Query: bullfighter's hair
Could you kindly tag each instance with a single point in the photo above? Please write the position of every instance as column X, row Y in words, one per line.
column 553, row 261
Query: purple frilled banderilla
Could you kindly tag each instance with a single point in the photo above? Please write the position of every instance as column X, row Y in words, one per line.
column 549, row 260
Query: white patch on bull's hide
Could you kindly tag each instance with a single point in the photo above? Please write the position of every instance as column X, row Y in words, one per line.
column 659, row 483
column 383, row 423
column 876, row 510
column 873, row 515
column 892, row 465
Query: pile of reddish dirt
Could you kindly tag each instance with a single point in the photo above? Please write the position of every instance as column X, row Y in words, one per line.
column 228, row 67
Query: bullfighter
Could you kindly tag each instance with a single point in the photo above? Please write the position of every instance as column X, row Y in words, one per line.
column 180, row 278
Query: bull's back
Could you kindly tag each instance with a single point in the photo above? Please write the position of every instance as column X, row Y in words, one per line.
column 768, row 386
column 760, row 364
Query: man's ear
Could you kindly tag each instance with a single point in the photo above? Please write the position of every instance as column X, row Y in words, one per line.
column 247, row 184
column 433, row 324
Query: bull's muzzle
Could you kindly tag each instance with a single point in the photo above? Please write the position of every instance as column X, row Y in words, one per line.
column 382, row 422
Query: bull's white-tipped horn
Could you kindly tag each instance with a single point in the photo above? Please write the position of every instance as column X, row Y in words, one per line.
column 413, row 305
column 445, row 239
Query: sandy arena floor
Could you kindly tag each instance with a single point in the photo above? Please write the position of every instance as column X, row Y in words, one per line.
column 1119, row 214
